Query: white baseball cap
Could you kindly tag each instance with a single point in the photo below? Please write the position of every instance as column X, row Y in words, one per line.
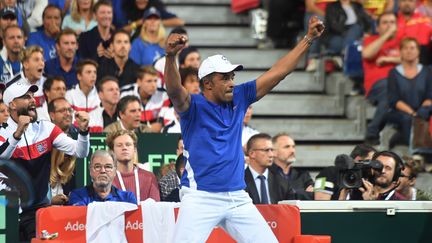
column 17, row 89
column 217, row 64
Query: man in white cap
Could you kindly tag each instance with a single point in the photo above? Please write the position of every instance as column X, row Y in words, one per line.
column 28, row 142
column 212, row 191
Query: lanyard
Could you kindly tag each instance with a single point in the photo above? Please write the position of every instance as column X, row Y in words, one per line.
column 390, row 195
column 137, row 189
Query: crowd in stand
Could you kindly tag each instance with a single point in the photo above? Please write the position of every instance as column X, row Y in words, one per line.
column 99, row 67
column 393, row 39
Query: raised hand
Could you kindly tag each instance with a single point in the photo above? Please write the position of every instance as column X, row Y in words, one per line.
column 23, row 123
column 82, row 119
column 316, row 27
column 175, row 43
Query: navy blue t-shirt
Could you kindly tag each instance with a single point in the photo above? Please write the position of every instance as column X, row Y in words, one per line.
column 53, row 68
column 212, row 141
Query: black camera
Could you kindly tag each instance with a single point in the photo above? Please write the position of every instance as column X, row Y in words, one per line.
column 351, row 172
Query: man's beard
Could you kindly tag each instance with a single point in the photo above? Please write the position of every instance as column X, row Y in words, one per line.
column 102, row 184
column 291, row 160
column 383, row 184
column 25, row 112
column 407, row 12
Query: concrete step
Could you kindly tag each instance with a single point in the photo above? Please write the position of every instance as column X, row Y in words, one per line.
column 297, row 81
column 299, row 105
column 319, row 130
column 221, row 36
column 196, row 14
column 251, row 58
column 319, row 155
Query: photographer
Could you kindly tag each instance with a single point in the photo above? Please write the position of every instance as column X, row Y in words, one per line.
column 326, row 183
column 382, row 184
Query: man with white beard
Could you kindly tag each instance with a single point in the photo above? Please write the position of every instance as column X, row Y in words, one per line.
column 284, row 157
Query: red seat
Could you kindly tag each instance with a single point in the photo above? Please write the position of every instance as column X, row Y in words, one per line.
column 69, row 222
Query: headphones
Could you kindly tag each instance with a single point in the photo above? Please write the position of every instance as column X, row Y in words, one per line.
column 398, row 160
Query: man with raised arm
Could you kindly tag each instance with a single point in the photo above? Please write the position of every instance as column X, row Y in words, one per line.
column 212, row 191
column 28, row 142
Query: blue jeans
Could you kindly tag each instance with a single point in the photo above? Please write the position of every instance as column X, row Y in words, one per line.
column 403, row 124
column 403, row 121
column 378, row 96
column 337, row 43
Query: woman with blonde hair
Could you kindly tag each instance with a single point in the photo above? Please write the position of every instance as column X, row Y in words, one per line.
column 62, row 168
column 149, row 46
column 81, row 17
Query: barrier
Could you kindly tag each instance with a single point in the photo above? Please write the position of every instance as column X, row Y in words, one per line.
column 70, row 221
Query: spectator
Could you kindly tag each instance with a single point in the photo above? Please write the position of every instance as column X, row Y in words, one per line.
column 54, row 87
column 10, row 63
column 375, row 8
column 45, row 37
column 81, row 17
column 129, row 13
column 413, row 24
column 96, row 42
column 284, row 157
column 346, row 22
column 160, row 63
column 211, row 123
column 62, row 165
column 61, row 172
column 380, row 54
column 407, row 181
column 109, row 95
column 120, row 66
column 124, row 146
column 103, row 167
column 170, row 183
column 174, row 183
column 189, row 57
column 33, row 10
column 247, row 131
column 149, row 46
column 33, row 65
column 4, row 112
column 314, row 8
column 272, row 187
column 152, row 99
column 12, row 6
column 129, row 113
column 61, row 112
column 84, row 96
column 24, row 132
column 327, row 181
column 409, row 91
column 66, row 61
column 171, row 122
column 64, row 5
column 425, row 8
column 7, row 18
column 385, row 183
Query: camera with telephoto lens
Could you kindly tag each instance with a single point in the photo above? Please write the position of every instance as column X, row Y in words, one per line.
column 351, row 172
